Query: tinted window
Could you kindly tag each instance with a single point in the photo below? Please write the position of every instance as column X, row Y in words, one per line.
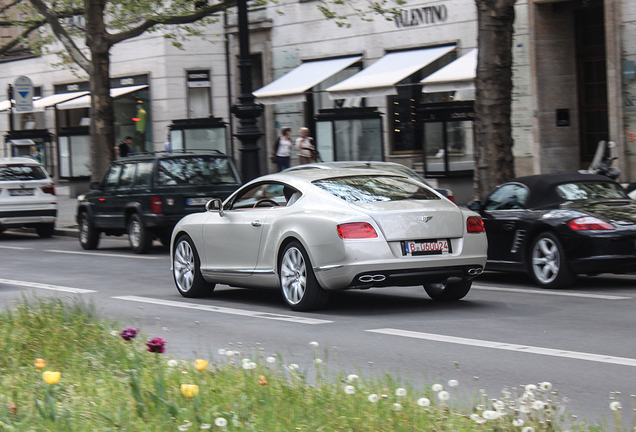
column 590, row 190
column 21, row 172
column 507, row 197
column 127, row 173
column 144, row 174
column 112, row 178
column 369, row 189
column 203, row 170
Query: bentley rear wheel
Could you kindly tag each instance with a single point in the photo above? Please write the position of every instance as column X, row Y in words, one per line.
column 300, row 288
column 448, row 292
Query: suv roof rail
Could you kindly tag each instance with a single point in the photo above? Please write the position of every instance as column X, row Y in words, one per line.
column 178, row 151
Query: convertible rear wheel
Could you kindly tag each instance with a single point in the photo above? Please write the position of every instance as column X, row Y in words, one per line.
column 448, row 292
column 548, row 265
column 300, row 288
column 187, row 269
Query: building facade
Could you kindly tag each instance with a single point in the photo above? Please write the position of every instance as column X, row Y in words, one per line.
column 399, row 90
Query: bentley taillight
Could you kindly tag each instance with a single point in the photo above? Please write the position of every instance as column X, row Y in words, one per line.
column 475, row 224
column 357, row 230
column 589, row 223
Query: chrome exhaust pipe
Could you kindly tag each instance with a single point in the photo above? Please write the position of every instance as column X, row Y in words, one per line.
column 475, row 271
column 372, row 278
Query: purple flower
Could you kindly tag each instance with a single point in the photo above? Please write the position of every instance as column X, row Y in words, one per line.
column 156, row 345
column 128, row 333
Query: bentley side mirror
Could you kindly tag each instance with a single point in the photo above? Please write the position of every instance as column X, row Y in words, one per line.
column 475, row 206
column 215, row 204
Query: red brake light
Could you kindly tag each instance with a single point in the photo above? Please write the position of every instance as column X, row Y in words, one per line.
column 450, row 197
column 475, row 224
column 356, row 230
column 49, row 189
column 588, row 223
column 156, row 204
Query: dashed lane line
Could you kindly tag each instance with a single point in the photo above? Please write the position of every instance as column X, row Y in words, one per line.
column 106, row 255
column 551, row 292
column 45, row 286
column 599, row 358
column 15, row 247
column 224, row 310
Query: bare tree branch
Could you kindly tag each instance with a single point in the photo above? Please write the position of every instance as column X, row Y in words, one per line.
column 184, row 19
column 9, row 45
column 62, row 35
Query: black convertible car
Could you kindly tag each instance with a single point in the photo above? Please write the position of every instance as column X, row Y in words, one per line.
column 555, row 226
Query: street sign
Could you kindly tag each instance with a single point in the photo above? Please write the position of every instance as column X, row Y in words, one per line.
column 23, row 94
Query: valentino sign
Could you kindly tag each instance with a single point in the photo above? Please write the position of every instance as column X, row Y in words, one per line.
column 422, row 16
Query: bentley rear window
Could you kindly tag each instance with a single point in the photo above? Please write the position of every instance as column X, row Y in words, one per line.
column 370, row 189
column 21, row 172
column 590, row 191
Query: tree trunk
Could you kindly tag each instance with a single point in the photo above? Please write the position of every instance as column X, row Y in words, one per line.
column 102, row 119
column 493, row 129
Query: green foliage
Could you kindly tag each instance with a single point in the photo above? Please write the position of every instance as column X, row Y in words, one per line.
column 108, row 383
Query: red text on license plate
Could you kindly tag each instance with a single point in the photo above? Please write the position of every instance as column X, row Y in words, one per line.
column 427, row 247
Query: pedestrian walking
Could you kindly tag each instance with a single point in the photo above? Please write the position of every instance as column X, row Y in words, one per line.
column 306, row 147
column 123, row 148
column 282, row 149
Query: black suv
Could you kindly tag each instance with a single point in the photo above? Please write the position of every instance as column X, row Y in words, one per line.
column 146, row 195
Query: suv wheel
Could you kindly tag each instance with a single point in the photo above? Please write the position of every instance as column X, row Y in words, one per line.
column 140, row 237
column 89, row 236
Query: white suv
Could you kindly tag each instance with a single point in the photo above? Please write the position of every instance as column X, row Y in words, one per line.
column 27, row 196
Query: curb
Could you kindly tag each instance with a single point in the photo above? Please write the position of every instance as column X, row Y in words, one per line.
column 66, row 232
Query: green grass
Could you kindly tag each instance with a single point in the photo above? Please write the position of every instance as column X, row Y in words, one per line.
column 110, row 384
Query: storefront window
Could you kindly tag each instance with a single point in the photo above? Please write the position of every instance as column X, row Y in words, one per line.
column 199, row 94
column 133, row 118
column 358, row 137
column 75, row 158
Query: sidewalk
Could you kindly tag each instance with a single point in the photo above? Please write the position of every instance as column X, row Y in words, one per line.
column 66, row 208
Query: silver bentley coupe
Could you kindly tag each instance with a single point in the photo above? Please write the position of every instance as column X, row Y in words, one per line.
column 311, row 232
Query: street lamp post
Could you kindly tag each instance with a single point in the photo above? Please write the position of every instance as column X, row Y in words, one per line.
column 246, row 110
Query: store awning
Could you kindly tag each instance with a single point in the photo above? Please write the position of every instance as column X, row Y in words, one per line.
column 52, row 100
column 292, row 86
column 380, row 78
column 85, row 101
column 458, row 75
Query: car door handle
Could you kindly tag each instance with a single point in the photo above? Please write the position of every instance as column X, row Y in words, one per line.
column 509, row 226
column 256, row 223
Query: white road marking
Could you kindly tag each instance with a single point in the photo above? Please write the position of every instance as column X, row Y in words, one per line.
column 45, row 286
column 599, row 358
column 15, row 247
column 105, row 254
column 552, row 292
column 231, row 311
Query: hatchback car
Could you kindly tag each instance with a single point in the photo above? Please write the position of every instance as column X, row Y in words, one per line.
column 145, row 196
column 556, row 226
column 309, row 232
column 27, row 196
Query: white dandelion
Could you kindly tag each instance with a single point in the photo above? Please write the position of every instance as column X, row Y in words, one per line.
column 397, row 407
column 173, row 363
column 400, row 391
column 349, row 389
column 314, row 344
column 437, row 387
column 373, row 398
column 424, row 402
column 453, row 383
column 352, row 377
column 477, row 418
column 443, row 395
column 518, row 422
column 527, row 429
column 490, row 415
column 222, row 351
column 205, row 426
column 220, row 422
column 545, row 386
column 114, row 333
column 270, row 359
column 615, row 406
column 531, row 387
column 538, row 405
column 318, row 361
column 293, row 366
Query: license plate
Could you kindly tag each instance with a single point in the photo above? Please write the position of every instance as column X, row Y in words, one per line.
column 427, row 247
column 197, row 201
column 20, row 192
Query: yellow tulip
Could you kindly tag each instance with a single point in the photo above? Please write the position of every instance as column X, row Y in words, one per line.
column 40, row 363
column 200, row 364
column 189, row 390
column 51, row 377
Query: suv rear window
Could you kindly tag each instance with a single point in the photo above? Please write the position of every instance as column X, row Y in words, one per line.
column 21, row 172
column 200, row 170
column 370, row 189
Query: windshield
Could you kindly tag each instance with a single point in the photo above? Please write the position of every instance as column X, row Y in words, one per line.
column 370, row 189
column 22, row 172
column 199, row 170
column 590, row 191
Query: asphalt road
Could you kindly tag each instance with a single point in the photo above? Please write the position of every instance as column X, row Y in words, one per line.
column 506, row 332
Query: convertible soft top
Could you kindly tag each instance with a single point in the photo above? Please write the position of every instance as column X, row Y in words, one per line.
column 542, row 187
